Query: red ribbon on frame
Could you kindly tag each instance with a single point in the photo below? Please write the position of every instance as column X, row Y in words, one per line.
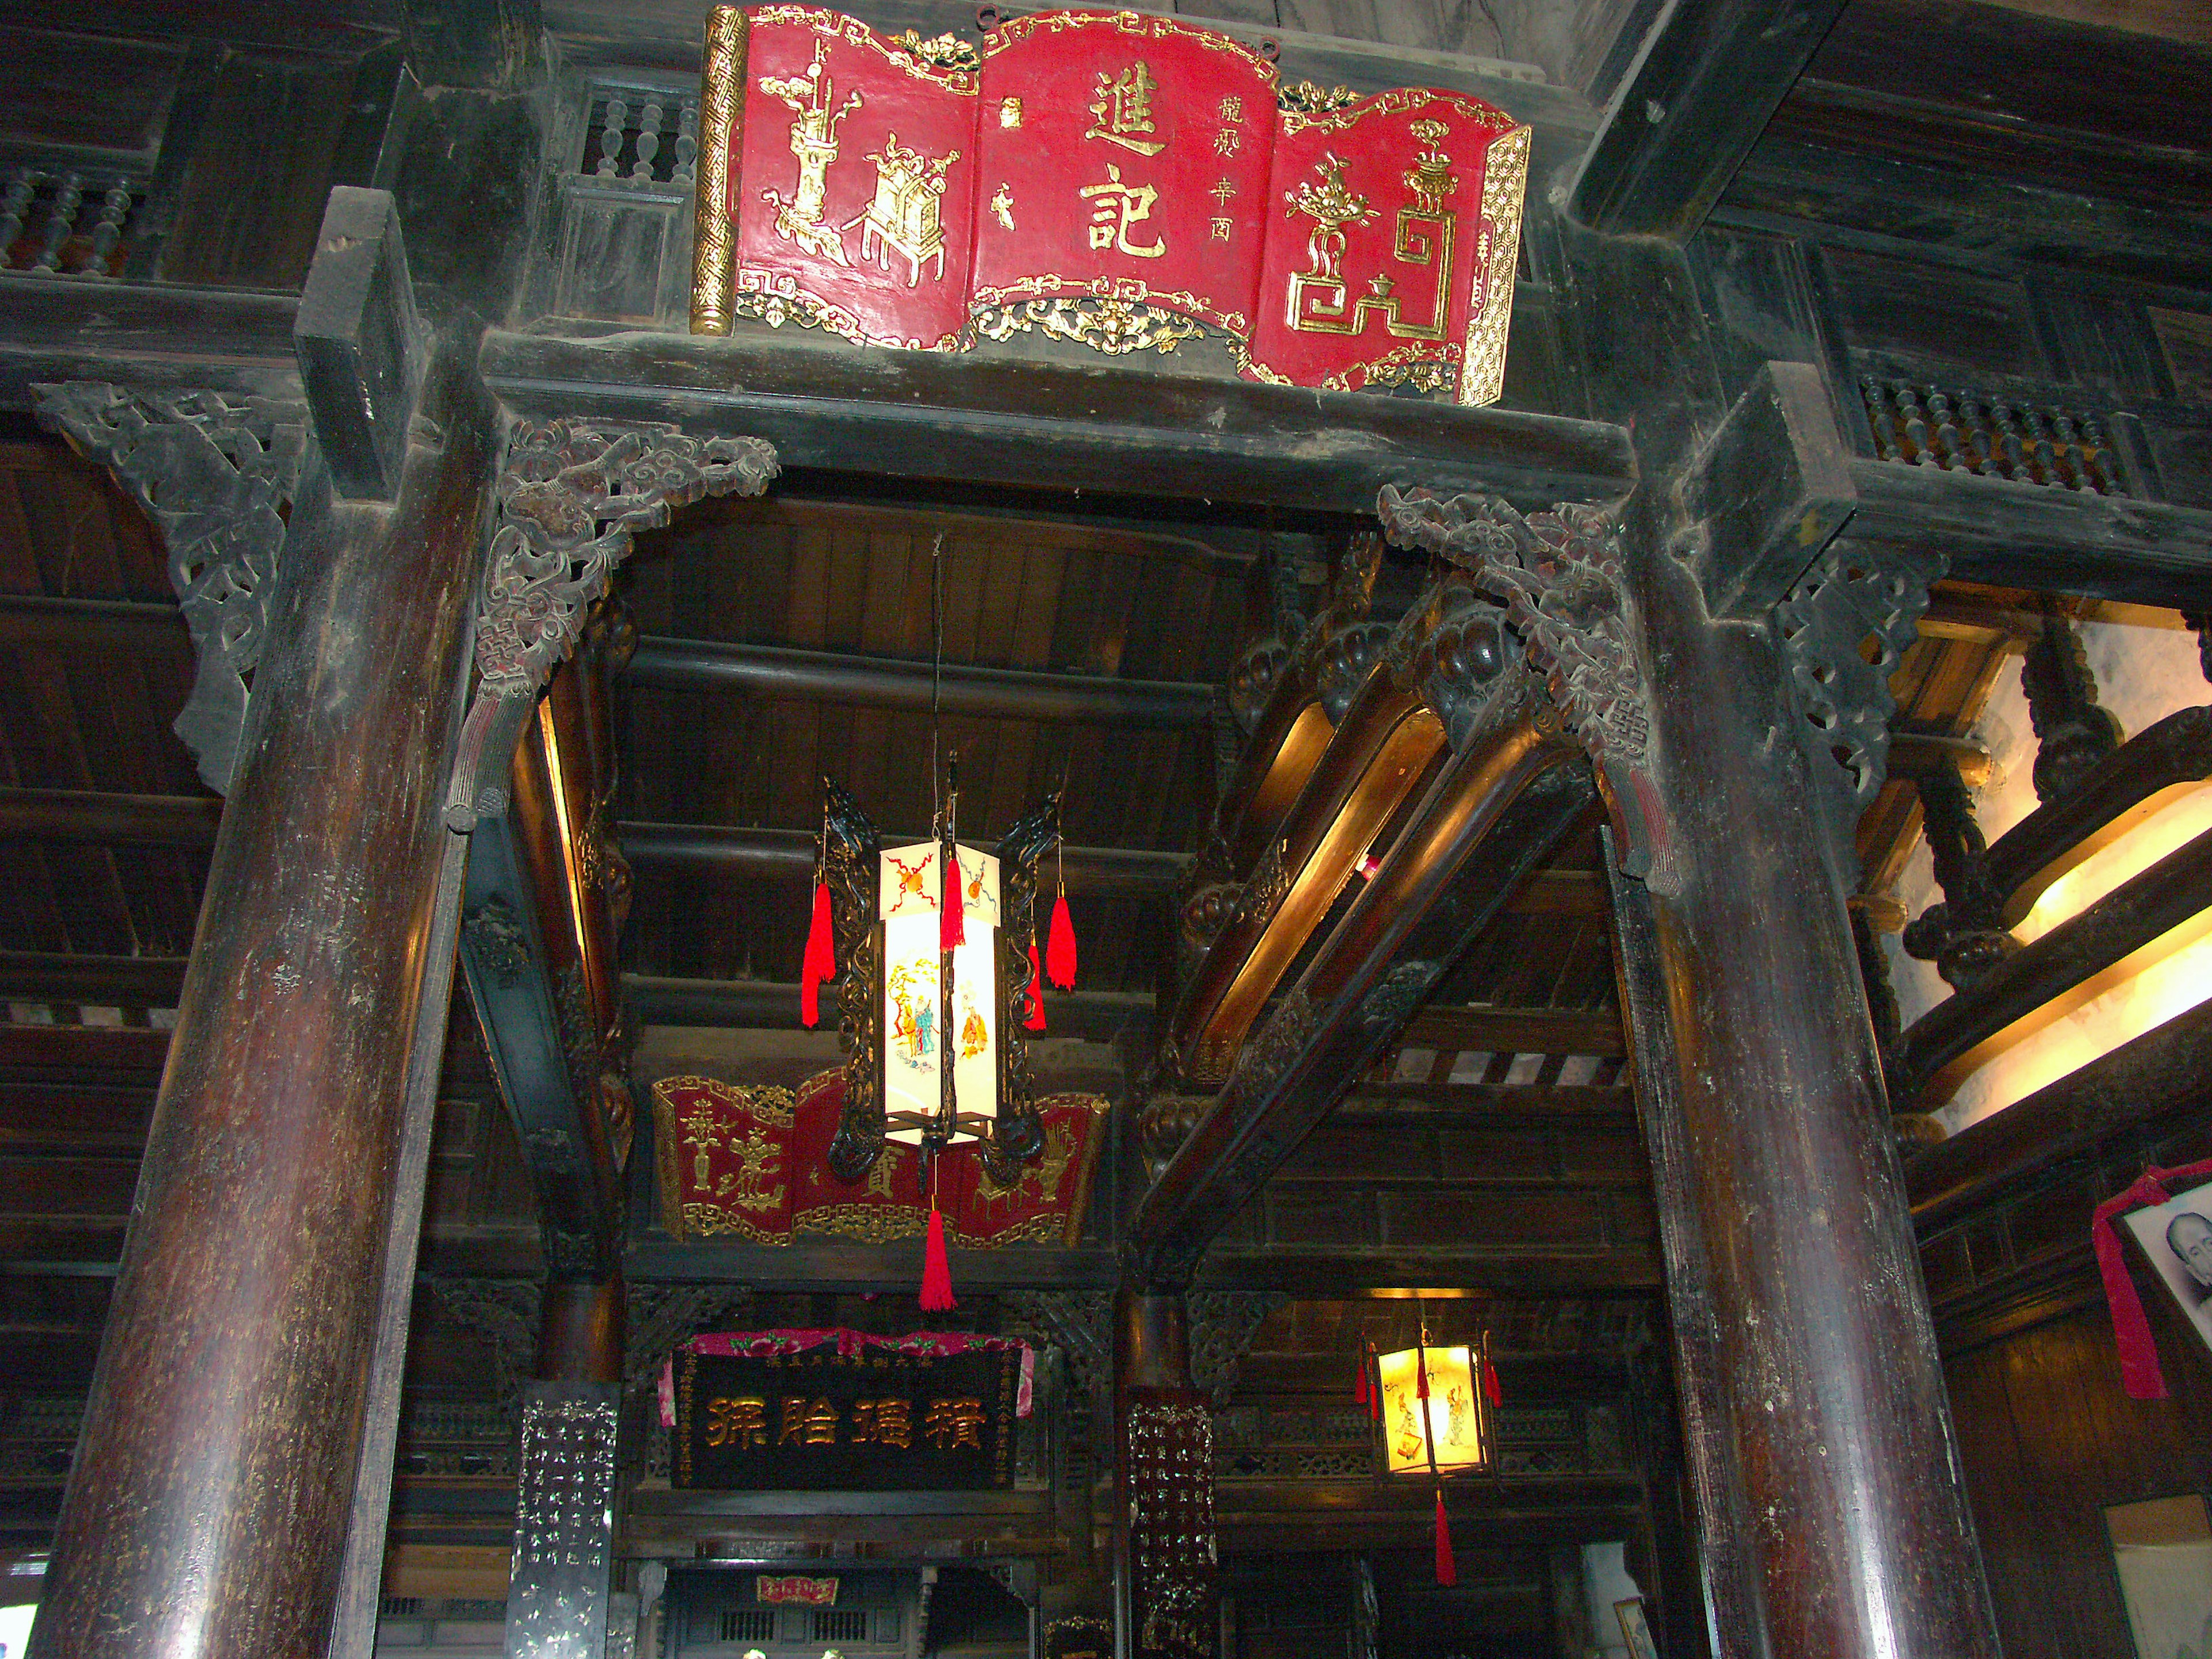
column 2139, row 1369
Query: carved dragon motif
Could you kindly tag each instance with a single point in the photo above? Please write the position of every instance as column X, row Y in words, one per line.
column 571, row 495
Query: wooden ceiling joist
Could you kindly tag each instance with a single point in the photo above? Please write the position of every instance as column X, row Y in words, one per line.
column 959, row 690
column 787, row 855
column 766, row 1005
column 1709, row 76
column 108, row 820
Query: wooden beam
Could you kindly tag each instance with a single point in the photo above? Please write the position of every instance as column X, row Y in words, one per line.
column 2017, row 535
column 765, row 1005
column 2059, row 834
column 2163, row 1071
column 778, row 673
column 160, row 336
column 146, row 625
column 1943, row 1042
column 105, row 820
column 925, row 415
column 1414, row 917
column 787, row 855
column 1707, row 79
column 1518, row 1031
column 116, row 982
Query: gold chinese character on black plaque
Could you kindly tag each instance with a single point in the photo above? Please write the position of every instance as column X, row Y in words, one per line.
column 885, row 1422
column 809, row 1422
column 951, row 1423
column 741, row 1423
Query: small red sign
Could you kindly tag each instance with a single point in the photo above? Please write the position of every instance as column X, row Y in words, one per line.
column 807, row 1592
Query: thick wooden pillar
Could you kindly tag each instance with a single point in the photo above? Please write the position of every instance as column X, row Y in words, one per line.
column 208, row 1509
column 1819, row 1435
column 580, row 1332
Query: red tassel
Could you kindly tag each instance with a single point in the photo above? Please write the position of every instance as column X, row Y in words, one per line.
column 952, row 911
column 1363, row 1392
column 1490, row 1381
column 819, row 965
column 1035, row 993
column 1060, row 947
column 936, row 1271
column 1421, row 1373
column 1447, row 1569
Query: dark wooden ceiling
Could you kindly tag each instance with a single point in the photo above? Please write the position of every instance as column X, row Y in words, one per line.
column 1023, row 594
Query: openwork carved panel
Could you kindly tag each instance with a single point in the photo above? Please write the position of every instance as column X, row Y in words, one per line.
column 571, row 495
column 1842, row 628
column 216, row 474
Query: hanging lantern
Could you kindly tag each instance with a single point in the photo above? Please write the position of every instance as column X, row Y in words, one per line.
column 1434, row 1404
column 1442, row 1428
column 932, row 963
column 931, row 1017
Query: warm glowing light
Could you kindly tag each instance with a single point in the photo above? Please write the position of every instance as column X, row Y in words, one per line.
column 915, row 1028
column 2166, row 977
column 1452, row 1420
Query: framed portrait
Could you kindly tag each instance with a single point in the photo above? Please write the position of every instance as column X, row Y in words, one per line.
column 2162, row 1552
column 1635, row 1628
column 2177, row 1236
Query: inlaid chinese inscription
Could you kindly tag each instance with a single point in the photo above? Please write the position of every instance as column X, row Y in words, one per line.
column 838, row 1416
column 564, row 1521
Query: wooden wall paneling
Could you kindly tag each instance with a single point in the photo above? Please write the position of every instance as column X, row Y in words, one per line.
column 45, row 101
column 251, row 203
column 2008, row 1520
column 2096, row 335
column 1904, row 306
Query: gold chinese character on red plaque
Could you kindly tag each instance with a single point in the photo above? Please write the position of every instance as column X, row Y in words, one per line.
column 1110, row 177
column 1404, row 212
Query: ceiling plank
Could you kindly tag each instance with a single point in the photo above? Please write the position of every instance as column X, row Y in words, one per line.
column 1709, row 77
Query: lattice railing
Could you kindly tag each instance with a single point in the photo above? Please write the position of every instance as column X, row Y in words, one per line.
column 2025, row 440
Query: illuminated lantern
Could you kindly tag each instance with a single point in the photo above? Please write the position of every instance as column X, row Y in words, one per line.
column 1434, row 1408
column 927, row 1018
column 1442, row 1428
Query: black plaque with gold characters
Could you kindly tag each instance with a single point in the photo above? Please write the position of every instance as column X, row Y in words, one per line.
column 820, row 1420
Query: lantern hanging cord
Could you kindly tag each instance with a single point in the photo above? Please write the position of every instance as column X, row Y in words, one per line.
column 935, row 665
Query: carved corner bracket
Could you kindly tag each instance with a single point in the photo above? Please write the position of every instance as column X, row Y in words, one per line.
column 215, row 474
column 1851, row 598
column 1559, row 575
column 571, row 497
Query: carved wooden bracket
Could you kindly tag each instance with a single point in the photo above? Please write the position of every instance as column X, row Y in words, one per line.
column 216, row 475
column 1560, row 577
column 571, row 496
column 1852, row 596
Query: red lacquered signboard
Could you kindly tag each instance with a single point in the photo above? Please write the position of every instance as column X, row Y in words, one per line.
column 1123, row 156
column 1388, row 261
column 1104, row 176
column 855, row 182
